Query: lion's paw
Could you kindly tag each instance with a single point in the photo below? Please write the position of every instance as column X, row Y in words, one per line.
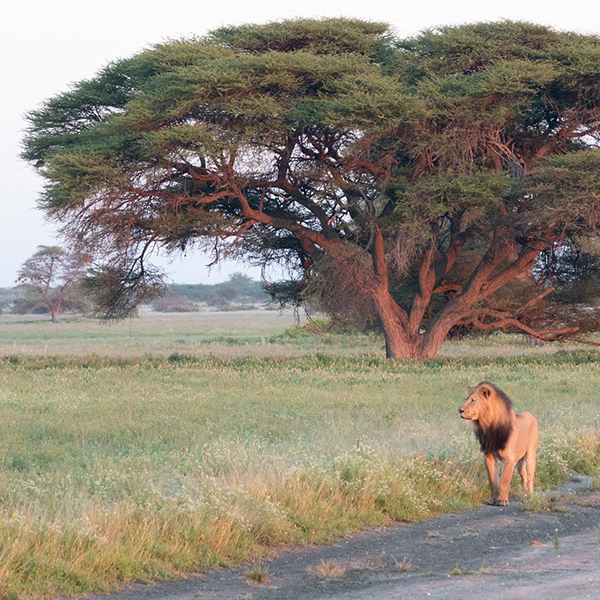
column 496, row 502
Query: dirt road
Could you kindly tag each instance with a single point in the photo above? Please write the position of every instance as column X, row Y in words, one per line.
column 491, row 553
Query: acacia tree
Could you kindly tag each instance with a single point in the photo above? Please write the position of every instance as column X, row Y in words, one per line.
column 52, row 280
column 415, row 180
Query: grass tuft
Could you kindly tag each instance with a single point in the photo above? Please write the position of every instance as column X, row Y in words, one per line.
column 404, row 565
column 258, row 575
column 327, row 570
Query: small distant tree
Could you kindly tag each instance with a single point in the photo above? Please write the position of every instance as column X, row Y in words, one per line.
column 240, row 288
column 51, row 280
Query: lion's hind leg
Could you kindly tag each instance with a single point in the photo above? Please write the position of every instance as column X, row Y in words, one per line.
column 530, row 459
column 531, row 454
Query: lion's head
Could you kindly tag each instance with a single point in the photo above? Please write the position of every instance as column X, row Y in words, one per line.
column 491, row 412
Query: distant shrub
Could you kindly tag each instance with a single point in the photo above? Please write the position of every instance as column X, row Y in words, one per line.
column 235, row 307
column 321, row 326
column 23, row 306
column 238, row 289
column 32, row 306
column 179, row 304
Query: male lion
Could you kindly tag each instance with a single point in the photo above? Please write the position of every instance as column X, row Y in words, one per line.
column 503, row 435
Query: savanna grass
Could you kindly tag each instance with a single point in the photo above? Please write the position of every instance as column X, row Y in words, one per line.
column 141, row 468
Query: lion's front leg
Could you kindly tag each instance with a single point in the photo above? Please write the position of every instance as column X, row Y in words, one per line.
column 522, row 468
column 490, row 466
column 505, row 483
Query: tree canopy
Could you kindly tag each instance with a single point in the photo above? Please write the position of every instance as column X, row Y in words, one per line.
column 414, row 180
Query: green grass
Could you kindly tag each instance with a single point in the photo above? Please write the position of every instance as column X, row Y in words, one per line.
column 138, row 467
column 227, row 335
column 153, row 333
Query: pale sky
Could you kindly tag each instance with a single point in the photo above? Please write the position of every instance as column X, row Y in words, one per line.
column 47, row 44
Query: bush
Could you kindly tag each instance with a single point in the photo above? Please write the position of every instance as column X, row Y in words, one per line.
column 35, row 306
column 24, row 306
column 179, row 304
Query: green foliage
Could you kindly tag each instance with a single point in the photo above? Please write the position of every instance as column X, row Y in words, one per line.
column 451, row 192
column 308, row 73
column 325, row 36
column 567, row 190
column 117, row 291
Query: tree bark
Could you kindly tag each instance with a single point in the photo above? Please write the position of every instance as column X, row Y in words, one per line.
column 433, row 338
column 402, row 345
column 398, row 343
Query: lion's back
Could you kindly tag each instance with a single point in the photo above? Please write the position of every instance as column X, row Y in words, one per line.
column 528, row 427
column 526, row 418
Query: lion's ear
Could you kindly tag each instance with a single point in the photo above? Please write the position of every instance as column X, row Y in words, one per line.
column 485, row 391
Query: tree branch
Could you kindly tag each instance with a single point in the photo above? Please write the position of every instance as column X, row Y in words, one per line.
column 304, row 234
column 521, row 265
column 423, row 296
column 534, row 301
column 381, row 272
column 548, row 335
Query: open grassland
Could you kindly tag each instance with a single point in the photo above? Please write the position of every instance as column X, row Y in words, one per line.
column 223, row 334
column 115, row 469
column 156, row 334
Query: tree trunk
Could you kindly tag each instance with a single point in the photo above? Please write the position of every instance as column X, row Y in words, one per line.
column 398, row 343
column 432, row 341
column 439, row 328
column 397, row 346
column 420, row 346
column 55, row 311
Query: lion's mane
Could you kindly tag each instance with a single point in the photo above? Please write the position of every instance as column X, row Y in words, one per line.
column 496, row 419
